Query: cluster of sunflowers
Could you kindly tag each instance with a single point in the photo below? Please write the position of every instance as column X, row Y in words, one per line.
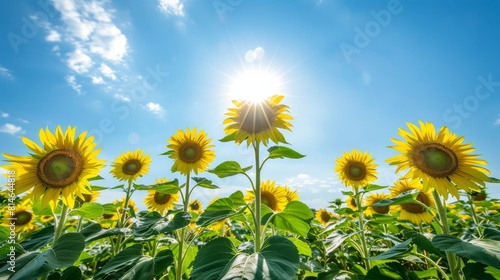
column 267, row 233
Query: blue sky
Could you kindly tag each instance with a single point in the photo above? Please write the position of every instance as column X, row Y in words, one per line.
column 352, row 72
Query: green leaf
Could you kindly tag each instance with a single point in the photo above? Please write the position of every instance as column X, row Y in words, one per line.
column 302, row 246
column 162, row 261
column 39, row 239
column 394, row 252
column 170, row 187
column 238, row 199
column 229, row 137
column 71, row 273
column 229, row 168
column 390, row 270
column 296, row 218
column 485, row 253
column 153, row 223
column 494, row 180
column 491, row 233
column 32, row 265
column 89, row 210
column 335, row 239
column 476, row 271
column 220, row 209
column 431, row 273
column 102, row 233
column 373, row 187
column 204, row 183
column 283, row 152
column 167, row 153
column 95, row 178
column 218, row 259
column 423, row 243
column 404, row 198
column 128, row 264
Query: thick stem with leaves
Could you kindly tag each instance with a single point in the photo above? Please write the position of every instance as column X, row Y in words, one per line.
column 361, row 220
column 60, row 222
column 180, row 254
column 123, row 216
column 452, row 260
column 258, row 202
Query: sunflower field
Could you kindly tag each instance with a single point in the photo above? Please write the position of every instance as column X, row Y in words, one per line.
column 435, row 222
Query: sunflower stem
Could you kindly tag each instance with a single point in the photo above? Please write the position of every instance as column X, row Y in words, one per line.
column 61, row 221
column 180, row 254
column 257, row 197
column 364, row 246
column 80, row 224
column 123, row 217
column 452, row 261
column 474, row 215
column 430, row 261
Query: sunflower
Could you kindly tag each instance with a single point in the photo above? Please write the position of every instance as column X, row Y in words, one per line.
column 273, row 197
column 372, row 199
column 441, row 160
column 131, row 165
column 46, row 218
column 356, row 169
column 195, row 206
column 351, row 203
column 323, row 216
column 413, row 212
column 290, row 195
column 61, row 167
column 21, row 216
column 89, row 197
column 160, row 202
column 191, row 151
column 258, row 120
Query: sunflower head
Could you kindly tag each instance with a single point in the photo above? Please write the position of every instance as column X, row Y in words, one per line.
column 272, row 196
column 160, row 202
column 60, row 167
column 290, row 195
column 374, row 198
column 324, row 216
column 22, row 216
column 131, row 165
column 440, row 159
column 351, row 203
column 258, row 121
column 413, row 212
column 191, row 151
column 356, row 169
column 195, row 206
column 88, row 197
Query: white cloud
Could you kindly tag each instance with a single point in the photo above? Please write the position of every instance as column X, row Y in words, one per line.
column 302, row 180
column 107, row 71
column 6, row 73
column 172, row 7
column 155, row 108
column 79, row 62
column 121, row 97
column 254, row 55
column 71, row 79
column 23, row 120
column 53, row 36
column 4, row 115
column 10, row 129
column 97, row 80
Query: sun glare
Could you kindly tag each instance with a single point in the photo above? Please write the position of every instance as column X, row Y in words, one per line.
column 255, row 86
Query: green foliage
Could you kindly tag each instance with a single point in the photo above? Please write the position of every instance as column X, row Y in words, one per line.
column 229, row 168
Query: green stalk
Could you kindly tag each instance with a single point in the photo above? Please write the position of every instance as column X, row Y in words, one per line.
column 180, row 254
column 61, row 222
column 429, row 260
column 257, row 198
column 452, row 261
column 366, row 254
column 123, row 217
column 474, row 215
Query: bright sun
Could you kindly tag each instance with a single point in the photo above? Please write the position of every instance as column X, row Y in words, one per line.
column 255, row 86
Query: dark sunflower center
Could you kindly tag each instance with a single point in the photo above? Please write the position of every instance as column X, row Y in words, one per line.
column 417, row 208
column 353, row 203
column 381, row 209
column 23, row 217
column 479, row 196
column 132, row 167
column 256, row 117
column 435, row 159
column 162, row 198
column 355, row 171
column 87, row 197
column 195, row 206
column 59, row 168
column 107, row 216
column 325, row 216
column 269, row 200
column 190, row 153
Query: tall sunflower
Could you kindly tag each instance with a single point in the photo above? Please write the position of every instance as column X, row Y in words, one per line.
column 22, row 216
column 351, row 203
column 191, row 151
column 372, row 199
column 290, row 195
column 195, row 206
column 324, row 216
column 258, row 120
column 413, row 212
column 161, row 202
column 356, row 169
column 272, row 196
column 441, row 160
column 61, row 167
column 131, row 165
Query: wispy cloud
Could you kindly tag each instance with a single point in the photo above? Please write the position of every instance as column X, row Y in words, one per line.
column 4, row 115
column 172, row 7
column 97, row 46
column 10, row 129
column 121, row 97
column 156, row 109
column 23, row 120
column 303, row 180
column 6, row 73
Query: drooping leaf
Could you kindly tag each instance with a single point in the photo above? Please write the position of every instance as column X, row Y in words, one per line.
column 283, row 152
column 229, row 137
column 335, row 239
column 394, row 252
column 423, row 243
column 374, row 187
column 162, row 261
column 296, row 218
column 128, row 264
column 404, row 198
column 220, row 209
column 152, row 223
column 38, row 239
column 204, row 183
column 170, row 187
column 229, row 168
column 302, row 246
